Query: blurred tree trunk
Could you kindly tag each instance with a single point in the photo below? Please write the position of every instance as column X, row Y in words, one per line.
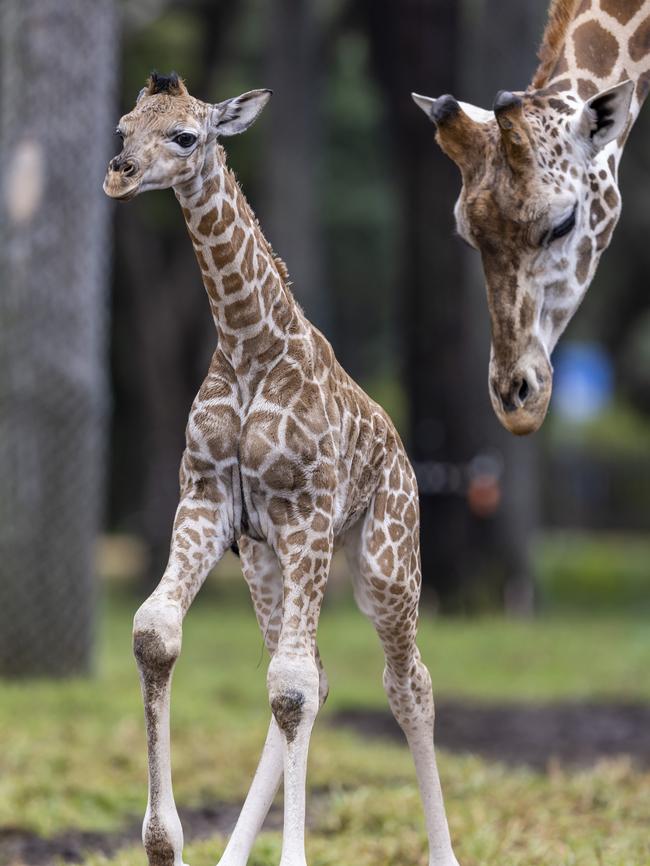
column 415, row 48
column 292, row 153
column 58, row 73
column 469, row 558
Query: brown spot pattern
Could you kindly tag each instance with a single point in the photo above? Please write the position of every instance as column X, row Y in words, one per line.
column 596, row 50
column 639, row 44
column 622, row 10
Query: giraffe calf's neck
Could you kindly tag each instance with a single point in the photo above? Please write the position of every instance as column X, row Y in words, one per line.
column 253, row 309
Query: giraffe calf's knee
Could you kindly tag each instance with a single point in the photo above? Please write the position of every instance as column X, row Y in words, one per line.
column 157, row 636
column 294, row 692
column 287, row 708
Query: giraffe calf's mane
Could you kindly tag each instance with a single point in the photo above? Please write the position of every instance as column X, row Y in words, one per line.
column 280, row 264
column 561, row 14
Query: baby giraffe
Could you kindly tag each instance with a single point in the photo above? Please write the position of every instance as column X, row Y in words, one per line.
column 285, row 456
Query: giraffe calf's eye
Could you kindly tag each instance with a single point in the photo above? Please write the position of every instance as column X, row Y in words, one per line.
column 185, row 139
column 562, row 228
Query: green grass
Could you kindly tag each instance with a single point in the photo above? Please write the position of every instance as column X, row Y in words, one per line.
column 73, row 754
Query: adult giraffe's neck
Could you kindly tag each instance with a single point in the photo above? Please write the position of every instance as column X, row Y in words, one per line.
column 605, row 42
column 253, row 308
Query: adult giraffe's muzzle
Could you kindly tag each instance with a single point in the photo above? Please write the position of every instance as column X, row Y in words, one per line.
column 520, row 393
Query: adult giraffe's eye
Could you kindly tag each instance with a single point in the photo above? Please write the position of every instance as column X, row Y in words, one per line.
column 119, row 134
column 185, row 139
column 563, row 228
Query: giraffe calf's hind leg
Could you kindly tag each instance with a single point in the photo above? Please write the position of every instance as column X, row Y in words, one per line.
column 383, row 553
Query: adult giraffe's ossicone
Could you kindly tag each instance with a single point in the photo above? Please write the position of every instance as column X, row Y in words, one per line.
column 539, row 196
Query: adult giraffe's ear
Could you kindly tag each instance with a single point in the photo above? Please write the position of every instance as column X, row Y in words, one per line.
column 605, row 115
column 235, row 115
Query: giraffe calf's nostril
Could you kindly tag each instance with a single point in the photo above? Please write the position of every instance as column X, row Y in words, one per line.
column 128, row 168
column 522, row 393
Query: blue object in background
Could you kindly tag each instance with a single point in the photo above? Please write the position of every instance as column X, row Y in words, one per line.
column 583, row 381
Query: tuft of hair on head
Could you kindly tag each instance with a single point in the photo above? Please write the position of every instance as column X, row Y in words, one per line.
column 171, row 84
column 560, row 14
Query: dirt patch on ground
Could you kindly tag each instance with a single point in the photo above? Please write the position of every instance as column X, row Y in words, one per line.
column 573, row 734
column 28, row 849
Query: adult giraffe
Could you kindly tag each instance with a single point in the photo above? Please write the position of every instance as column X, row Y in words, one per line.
column 539, row 196
column 285, row 455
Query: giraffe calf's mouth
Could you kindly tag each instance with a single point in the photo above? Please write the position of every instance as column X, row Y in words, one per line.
column 115, row 190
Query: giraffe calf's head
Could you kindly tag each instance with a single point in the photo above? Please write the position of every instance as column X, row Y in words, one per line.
column 539, row 201
column 166, row 136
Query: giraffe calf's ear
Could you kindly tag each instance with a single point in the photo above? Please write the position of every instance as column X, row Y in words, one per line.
column 235, row 115
column 606, row 114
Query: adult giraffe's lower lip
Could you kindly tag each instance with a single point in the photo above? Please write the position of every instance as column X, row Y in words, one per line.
column 521, row 425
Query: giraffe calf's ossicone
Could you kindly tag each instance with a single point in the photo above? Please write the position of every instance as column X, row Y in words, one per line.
column 539, row 195
column 285, row 456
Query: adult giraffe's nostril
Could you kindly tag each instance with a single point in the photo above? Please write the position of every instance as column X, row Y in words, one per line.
column 515, row 396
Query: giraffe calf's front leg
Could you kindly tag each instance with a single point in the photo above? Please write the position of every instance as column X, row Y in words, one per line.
column 156, row 646
column 201, row 535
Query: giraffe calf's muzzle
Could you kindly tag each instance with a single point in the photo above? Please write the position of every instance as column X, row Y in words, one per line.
column 122, row 179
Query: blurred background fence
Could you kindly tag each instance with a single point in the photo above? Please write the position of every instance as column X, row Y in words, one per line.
column 352, row 191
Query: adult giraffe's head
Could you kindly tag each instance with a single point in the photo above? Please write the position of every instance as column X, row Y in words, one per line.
column 165, row 137
column 539, row 196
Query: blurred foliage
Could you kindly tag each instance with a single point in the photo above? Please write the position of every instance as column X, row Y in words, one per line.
column 619, row 430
